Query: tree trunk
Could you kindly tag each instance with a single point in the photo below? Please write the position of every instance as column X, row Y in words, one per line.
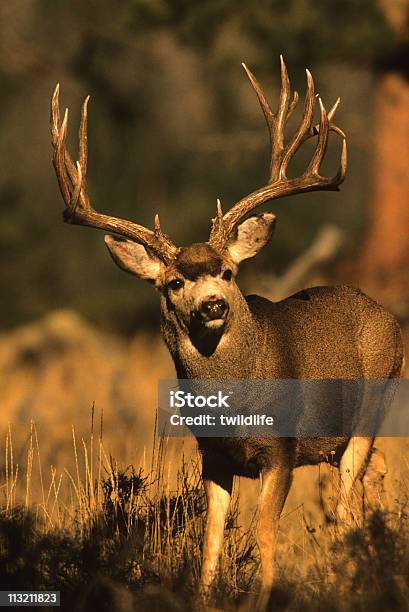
column 385, row 257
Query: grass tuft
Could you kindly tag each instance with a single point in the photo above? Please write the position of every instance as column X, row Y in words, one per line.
column 118, row 538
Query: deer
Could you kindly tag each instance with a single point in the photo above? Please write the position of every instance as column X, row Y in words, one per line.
column 326, row 332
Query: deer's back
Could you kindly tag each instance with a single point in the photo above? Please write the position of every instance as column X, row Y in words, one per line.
column 326, row 332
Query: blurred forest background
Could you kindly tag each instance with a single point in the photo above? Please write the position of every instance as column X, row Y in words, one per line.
column 174, row 124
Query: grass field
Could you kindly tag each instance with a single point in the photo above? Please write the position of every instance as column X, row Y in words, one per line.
column 121, row 538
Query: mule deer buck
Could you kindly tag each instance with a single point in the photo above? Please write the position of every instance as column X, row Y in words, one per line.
column 208, row 325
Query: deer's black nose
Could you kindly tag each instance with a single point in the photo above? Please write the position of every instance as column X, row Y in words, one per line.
column 214, row 309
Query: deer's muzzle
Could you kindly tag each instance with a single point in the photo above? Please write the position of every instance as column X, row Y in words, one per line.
column 213, row 310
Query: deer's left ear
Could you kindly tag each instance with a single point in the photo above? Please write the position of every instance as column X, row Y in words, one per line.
column 252, row 235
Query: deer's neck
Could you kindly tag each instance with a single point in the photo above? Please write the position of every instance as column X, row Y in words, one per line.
column 231, row 355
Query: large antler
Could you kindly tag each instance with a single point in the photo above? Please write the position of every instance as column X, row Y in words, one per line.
column 73, row 186
column 279, row 184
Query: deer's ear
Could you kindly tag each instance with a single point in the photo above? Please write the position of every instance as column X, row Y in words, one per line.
column 252, row 235
column 134, row 258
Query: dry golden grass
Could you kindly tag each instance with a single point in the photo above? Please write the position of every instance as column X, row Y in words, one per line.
column 146, row 535
column 72, row 399
column 134, row 504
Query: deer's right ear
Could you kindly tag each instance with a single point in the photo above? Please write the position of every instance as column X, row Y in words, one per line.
column 252, row 235
column 134, row 258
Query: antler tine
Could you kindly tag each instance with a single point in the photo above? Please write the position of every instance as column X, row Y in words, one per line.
column 77, row 189
column 59, row 136
column 55, row 114
column 332, row 126
column 316, row 160
column 64, row 166
column 73, row 186
column 275, row 122
column 279, row 185
column 268, row 113
column 277, row 138
column 83, row 137
column 334, row 109
column 342, row 171
column 293, row 104
column 304, row 127
column 322, row 130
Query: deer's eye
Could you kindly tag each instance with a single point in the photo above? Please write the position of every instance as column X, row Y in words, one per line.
column 227, row 274
column 176, row 284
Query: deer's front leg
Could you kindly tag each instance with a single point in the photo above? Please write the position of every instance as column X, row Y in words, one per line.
column 275, row 484
column 218, row 488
